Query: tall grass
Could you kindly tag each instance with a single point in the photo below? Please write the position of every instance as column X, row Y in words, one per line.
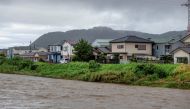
column 163, row 75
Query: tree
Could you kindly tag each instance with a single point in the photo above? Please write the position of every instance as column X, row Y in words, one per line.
column 101, row 58
column 83, row 51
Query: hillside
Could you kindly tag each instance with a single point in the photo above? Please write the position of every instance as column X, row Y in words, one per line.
column 102, row 33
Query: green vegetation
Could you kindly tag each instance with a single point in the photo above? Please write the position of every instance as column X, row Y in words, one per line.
column 83, row 51
column 157, row 75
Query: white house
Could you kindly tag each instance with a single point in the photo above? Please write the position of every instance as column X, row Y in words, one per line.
column 62, row 50
column 68, row 49
column 182, row 54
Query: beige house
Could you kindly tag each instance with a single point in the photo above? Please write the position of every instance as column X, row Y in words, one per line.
column 182, row 54
column 129, row 46
column 36, row 56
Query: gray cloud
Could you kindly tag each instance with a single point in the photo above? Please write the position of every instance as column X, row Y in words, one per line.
column 27, row 19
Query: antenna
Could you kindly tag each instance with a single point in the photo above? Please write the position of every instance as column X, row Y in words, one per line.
column 187, row 4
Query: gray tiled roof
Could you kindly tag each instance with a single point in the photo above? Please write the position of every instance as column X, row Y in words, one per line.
column 131, row 39
column 186, row 49
column 104, row 49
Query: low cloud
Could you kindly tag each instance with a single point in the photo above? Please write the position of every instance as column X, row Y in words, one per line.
column 25, row 20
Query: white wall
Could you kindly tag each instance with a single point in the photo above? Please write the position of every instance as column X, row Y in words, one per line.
column 55, row 48
column 181, row 53
column 67, row 50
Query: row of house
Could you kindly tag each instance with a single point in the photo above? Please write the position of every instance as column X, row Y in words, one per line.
column 125, row 48
column 55, row 53
column 140, row 48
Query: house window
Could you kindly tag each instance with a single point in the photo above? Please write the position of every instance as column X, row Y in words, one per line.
column 167, row 48
column 120, row 57
column 182, row 60
column 120, row 46
column 140, row 47
column 65, row 49
column 157, row 47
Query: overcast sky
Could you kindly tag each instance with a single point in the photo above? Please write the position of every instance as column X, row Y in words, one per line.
column 25, row 20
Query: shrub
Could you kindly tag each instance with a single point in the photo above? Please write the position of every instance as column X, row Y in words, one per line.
column 144, row 69
column 14, row 61
column 19, row 63
column 34, row 67
column 181, row 69
column 153, row 77
column 94, row 66
column 130, row 77
column 25, row 64
column 149, row 69
column 115, row 77
column 2, row 60
column 4, row 68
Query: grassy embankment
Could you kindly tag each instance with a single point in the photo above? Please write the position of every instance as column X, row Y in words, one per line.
column 158, row 75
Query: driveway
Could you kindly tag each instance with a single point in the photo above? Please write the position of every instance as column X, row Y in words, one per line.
column 27, row 92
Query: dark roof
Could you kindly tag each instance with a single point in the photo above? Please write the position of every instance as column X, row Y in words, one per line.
column 131, row 39
column 184, row 38
column 103, row 49
column 186, row 49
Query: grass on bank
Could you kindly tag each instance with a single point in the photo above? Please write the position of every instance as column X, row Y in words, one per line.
column 158, row 75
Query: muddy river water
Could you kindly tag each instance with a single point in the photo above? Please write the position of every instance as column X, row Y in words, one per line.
column 27, row 92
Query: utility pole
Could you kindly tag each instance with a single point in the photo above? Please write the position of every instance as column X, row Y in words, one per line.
column 187, row 4
column 30, row 47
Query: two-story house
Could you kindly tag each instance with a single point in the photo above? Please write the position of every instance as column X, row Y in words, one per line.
column 129, row 46
column 68, row 50
column 55, row 52
column 182, row 53
column 164, row 47
column 62, row 50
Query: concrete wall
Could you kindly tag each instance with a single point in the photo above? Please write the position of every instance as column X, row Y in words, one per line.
column 181, row 53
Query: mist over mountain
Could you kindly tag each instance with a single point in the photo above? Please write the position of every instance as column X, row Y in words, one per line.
column 102, row 33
